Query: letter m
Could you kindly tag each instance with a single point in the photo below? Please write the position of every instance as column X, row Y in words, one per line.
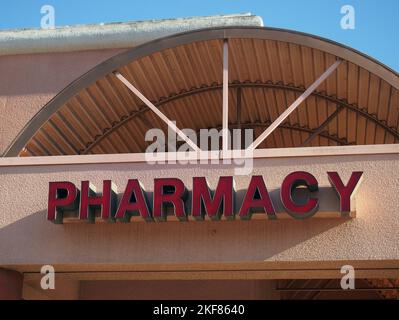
column 214, row 204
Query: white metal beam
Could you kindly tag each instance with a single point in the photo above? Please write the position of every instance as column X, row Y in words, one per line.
column 150, row 105
column 293, row 106
column 225, row 126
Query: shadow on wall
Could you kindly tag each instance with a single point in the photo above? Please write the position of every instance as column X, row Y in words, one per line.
column 34, row 240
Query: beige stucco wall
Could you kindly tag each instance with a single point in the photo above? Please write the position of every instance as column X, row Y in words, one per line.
column 26, row 238
column 29, row 81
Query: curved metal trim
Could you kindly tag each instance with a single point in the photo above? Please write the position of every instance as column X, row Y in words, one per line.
column 123, row 58
column 268, row 85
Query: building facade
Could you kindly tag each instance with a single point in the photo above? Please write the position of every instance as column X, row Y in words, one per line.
column 319, row 199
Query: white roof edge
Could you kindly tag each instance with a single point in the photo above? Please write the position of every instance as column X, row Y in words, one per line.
column 272, row 153
column 111, row 35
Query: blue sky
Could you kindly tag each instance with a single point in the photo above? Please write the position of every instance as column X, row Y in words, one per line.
column 376, row 25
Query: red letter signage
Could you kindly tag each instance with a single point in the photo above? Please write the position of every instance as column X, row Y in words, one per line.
column 290, row 183
column 169, row 191
column 61, row 196
column 89, row 201
column 345, row 193
column 299, row 196
column 222, row 202
column 133, row 202
column 257, row 197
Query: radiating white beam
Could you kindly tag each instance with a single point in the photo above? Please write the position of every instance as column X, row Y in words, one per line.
column 225, row 123
column 293, row 106
column 150, row 105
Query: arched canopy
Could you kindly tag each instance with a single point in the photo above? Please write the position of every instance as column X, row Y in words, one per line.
column 182, row 76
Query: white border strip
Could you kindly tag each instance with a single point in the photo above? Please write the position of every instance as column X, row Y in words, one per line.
column 225, row 120
column 258, row 153
column 111, row 35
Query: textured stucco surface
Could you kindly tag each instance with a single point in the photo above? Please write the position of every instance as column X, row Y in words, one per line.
column 27, row 238
column 28, row 82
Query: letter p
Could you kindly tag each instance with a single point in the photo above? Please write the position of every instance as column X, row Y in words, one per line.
column 62, row 196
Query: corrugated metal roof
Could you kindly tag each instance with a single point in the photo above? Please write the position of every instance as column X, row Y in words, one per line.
column 185, row 82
